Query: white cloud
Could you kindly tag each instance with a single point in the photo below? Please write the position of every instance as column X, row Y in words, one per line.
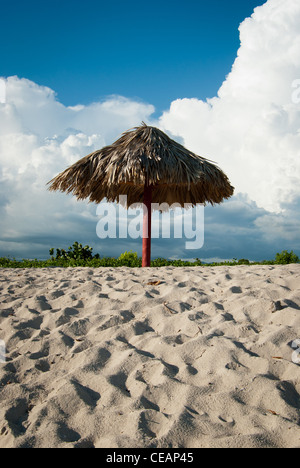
column 31, row 108
column 40, row 137
column 2, row 91
column 252, row 128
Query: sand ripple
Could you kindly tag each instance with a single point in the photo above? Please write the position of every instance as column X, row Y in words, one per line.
column 163, row 357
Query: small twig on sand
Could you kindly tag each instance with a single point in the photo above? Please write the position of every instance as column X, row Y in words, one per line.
column 199, row 331
column 168, row 308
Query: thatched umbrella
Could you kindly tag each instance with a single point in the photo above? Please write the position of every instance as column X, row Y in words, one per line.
column 148, row 167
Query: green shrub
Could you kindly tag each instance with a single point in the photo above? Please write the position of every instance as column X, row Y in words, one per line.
column 5, row 262
column 129, row 259
column 286, row 257
column 79, row 256
column 75, row 252
column 243, row 261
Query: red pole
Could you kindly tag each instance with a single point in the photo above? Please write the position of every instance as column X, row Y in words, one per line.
column 147, row 226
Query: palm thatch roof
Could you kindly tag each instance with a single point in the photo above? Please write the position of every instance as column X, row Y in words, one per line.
column 145, row 155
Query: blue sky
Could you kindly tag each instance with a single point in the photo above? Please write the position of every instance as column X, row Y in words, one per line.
column 155, row 51
column 221, row 77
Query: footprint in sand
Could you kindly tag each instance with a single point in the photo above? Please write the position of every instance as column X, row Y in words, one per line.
column 43, row 365
column 119, row 381
column 87, row 395
column 67, row 434
column 236, row 290
column 17, row 415
column 153, row 424
column 44, row 352
column 34, row 323
column 41, row 304
column 97, row 361
column 228, row 420
column 56, row 294
column 66, row 316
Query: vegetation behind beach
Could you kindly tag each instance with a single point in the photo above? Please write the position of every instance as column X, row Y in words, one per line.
column 78, row 255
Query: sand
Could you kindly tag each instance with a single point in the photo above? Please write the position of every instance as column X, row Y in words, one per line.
column 201, row 357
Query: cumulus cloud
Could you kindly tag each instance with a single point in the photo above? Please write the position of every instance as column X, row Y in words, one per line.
column 252, row 127
column 33, row 109
column 40, row 137
column 2, row 91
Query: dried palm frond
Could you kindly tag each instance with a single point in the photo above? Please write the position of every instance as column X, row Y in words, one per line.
column 145, row 155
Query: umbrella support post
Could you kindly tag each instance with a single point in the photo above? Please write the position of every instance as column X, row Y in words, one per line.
column 146, row 258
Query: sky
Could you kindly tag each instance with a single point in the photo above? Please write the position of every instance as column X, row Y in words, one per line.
column 154, row 53
column 220, row 77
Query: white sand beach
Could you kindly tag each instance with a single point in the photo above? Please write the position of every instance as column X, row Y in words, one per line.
column 160, row 357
